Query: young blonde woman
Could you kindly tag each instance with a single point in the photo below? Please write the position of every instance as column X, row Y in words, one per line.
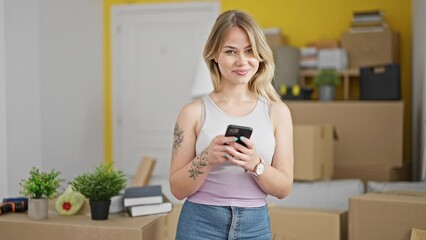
column 225, row 183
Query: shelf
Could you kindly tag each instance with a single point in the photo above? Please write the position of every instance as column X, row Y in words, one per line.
column 345, row 74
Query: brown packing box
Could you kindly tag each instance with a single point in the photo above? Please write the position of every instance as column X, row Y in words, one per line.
column 313, row 152
column 166, row 230
column 302, row 224
column 17, row 226
column 371, row 48
column 371, row 172
column 368, row 132
column 389, row 216
column 418, row 234
column 274, row 38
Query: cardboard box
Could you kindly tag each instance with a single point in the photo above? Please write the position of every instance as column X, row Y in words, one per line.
column 369, row 132
column 17, row 226
column 371, row 172
column 313, row 152
column 389, row 216
column 168, row 224
column 302, row 224
column 418, row 234
column 371, row 48
column 274, row 38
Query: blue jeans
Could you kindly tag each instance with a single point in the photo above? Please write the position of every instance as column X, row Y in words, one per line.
column 200, row 222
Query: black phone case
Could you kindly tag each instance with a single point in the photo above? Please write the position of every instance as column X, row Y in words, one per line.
column 238, row 131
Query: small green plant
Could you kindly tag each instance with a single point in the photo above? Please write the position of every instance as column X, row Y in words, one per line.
column 100, row 184
column 41, row 184
column 327, row 77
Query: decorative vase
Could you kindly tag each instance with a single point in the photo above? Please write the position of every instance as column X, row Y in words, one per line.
column 327, row 93
column 38, row 208
column 100, row 209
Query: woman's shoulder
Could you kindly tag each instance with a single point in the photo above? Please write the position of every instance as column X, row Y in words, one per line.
column 192, row 108
column 279, row 110
column 193, row 105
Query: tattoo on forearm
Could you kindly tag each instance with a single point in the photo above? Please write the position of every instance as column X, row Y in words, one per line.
column 177, row 138
column 197, row 164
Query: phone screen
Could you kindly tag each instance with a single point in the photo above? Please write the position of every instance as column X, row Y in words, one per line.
column 238, row 131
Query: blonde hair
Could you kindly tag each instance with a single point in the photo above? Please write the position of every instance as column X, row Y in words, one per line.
column 261, row 83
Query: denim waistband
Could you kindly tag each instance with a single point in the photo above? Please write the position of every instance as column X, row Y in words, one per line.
column 201, row 221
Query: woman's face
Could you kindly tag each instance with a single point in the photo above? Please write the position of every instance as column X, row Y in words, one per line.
column 236, row 61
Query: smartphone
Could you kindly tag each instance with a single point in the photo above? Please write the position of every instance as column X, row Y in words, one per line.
column 238, row 131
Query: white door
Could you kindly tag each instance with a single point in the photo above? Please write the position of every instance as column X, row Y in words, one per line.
column 156, row 51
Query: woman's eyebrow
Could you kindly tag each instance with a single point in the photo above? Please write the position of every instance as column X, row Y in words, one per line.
column 248, row 46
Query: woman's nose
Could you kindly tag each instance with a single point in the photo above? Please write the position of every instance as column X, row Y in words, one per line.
column 241, row 59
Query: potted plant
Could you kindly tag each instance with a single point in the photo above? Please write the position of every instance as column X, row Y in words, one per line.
column 39, row 188
column 327, row 80
column 99, row 186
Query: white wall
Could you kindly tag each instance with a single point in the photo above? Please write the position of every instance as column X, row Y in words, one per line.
column 72, row 99
column 418, row 86
column 53, row 84
column 3, row 132
column 23, row 89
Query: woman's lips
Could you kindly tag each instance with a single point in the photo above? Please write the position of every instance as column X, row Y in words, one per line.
column 241, row 72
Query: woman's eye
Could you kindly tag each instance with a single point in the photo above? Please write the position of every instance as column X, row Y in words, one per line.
column 229, row 51
column 250, row 51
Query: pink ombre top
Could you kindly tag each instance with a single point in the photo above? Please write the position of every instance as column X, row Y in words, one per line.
column 228, row 184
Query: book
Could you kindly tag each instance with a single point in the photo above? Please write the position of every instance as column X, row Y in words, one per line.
column 368, row 29
column 143, row 210
column 15, row 199
column 367, row 16
column 142, row 195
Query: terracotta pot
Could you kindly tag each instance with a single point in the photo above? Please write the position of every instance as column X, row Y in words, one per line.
column 38, row 208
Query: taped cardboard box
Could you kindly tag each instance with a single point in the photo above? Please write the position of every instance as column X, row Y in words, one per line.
column 17, row 226
column 371, row 48
column 302, row 224
column 389, row 216
column 313, row 152
column 369, row 132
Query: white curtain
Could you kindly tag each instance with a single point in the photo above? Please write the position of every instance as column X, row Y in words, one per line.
column 422, row 164
column 419, row 90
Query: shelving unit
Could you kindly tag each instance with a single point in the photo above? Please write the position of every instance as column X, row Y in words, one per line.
column 345, row 74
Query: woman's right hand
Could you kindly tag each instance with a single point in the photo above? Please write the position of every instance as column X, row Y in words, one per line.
column 216, row 151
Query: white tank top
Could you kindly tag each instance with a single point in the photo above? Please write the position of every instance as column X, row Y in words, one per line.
column 228, row 184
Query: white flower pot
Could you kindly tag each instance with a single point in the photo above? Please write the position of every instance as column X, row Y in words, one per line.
column 38, row 208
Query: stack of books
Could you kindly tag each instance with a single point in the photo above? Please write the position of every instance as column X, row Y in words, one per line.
column 368, row 21
column 308, row 57
column 146, row 200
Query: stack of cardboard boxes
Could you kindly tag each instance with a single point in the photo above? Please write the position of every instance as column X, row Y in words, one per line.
column 369, row 144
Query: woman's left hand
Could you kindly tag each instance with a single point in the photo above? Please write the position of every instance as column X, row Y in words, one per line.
column 245, row 157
